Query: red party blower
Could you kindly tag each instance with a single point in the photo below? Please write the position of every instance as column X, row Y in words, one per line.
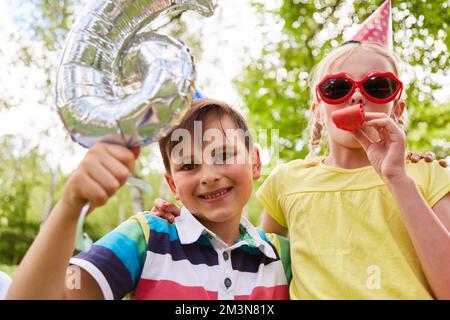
column 350, row 119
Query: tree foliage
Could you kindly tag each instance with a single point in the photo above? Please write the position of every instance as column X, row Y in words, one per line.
column 19, row 182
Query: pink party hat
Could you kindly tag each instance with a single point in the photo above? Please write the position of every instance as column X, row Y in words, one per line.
column 377, row 28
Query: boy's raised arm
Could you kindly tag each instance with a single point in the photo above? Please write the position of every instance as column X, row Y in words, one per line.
column 42, row 272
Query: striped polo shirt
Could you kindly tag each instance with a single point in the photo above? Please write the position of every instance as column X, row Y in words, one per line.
column 153, row 259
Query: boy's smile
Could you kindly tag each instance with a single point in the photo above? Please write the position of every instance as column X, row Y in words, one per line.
column 216, row 195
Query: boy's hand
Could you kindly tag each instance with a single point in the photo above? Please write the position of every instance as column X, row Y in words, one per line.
column 429, row 156
column 165, row 210
column 104, row 169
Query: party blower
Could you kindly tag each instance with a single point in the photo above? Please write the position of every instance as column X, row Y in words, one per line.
column 349, row 119
column 118, row 81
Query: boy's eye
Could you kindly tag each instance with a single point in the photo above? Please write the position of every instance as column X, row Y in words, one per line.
column 188, row 167
column 224, row 156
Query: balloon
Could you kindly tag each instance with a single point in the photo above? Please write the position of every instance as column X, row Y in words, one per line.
column 198, row 95
column 118, row 84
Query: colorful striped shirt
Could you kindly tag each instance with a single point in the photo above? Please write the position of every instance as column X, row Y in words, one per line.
column 154, row 259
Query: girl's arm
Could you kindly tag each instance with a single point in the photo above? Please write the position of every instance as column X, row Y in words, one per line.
column 42, row 272
column 429, row 228
column 269, row 225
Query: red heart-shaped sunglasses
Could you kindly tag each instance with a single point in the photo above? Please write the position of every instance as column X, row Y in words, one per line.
column 377, row 87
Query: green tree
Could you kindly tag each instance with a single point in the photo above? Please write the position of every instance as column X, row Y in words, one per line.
column 20, row 181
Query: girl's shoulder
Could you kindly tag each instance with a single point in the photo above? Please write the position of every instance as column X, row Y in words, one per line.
column 433, row 179
column 426, row 172
column 297, row 165
column 293, row 175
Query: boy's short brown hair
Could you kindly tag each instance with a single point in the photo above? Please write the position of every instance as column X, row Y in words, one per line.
column 200, row 110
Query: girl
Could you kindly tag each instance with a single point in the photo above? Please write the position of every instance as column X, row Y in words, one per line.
column 363, row 224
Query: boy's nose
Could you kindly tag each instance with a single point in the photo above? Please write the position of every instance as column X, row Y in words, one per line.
column 209, row 175
column 357, row 98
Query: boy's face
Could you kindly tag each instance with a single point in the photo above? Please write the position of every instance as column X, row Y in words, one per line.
column 214, row 180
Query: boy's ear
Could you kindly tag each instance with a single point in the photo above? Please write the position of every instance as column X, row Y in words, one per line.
column 172, row 186
column 398, row 110
column 256, row 163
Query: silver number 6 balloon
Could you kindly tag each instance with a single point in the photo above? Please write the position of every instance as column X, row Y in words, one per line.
column 118, row 84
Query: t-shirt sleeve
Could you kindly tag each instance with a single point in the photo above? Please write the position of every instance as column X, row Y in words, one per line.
column 116, row 260
column 268, row 194
column 438, row 182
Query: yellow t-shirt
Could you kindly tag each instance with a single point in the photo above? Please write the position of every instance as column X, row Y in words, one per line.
column 348, row 239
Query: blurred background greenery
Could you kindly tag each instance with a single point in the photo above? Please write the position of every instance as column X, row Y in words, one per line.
column 272, row 88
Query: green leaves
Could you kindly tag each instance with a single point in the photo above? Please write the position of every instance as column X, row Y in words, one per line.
column 19, row 183
column 430, row 129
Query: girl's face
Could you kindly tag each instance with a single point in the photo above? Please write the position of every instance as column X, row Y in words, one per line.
column 357, row 65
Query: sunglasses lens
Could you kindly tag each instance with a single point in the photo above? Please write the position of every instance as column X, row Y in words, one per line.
column 380, row 87
column 335, row 88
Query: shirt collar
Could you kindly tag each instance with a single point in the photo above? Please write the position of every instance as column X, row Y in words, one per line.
column 190, row 230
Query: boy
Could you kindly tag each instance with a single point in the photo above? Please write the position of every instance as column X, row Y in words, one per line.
column 209, row 252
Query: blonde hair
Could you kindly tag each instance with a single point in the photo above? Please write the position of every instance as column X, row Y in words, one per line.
column 316, row 129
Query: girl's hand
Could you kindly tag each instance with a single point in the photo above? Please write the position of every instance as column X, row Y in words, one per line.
column 387, row 155
column 165, row 210
column 103, row 170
